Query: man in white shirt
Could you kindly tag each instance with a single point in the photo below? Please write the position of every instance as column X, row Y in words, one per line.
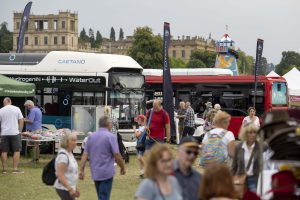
column 12, row 122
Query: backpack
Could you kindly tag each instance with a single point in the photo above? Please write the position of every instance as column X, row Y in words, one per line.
column 48, row 175
column 122, row 148
column 214, row 151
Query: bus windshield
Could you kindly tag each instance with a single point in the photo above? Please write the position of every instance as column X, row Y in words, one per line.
column 279, row 93
column 128, row 80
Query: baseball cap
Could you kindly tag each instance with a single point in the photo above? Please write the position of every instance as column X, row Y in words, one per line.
column 189, row 142
column 141, row 117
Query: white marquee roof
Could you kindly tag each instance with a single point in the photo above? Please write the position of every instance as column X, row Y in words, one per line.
column 272, row 74
column 292, row 78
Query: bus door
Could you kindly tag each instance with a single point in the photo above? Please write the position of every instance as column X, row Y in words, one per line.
column 235, row 103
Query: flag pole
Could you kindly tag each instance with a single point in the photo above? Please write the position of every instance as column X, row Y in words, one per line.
column 24, row 22
column 167, row 82
column 259, row 51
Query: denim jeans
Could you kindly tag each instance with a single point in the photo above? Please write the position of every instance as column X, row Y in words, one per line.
column 103, row 189
column 251, row 183
column 150, row 142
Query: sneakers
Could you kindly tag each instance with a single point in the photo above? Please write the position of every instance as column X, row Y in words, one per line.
column 17, row 172
column 14, row 172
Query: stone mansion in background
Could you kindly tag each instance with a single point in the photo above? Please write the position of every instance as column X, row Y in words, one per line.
column 59, row 32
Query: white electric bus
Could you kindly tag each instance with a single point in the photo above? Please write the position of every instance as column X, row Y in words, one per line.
column 65, row 78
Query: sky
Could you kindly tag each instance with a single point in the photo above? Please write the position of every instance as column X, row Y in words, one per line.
column 274, row 21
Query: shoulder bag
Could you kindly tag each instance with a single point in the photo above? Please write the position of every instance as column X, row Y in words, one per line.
column 140, row 145
column 239, row 181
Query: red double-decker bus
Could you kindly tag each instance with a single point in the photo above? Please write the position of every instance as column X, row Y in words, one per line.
column 235, row 94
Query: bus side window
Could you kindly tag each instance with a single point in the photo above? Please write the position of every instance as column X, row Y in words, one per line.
column 99, row 98
column 278, row 87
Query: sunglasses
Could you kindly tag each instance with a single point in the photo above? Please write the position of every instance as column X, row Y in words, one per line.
column 189, row 152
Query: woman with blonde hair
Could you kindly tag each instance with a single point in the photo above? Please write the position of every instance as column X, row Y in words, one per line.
column 217, row 184
column 159, row 185
column 247, row 156
column 208, row 125
column 218, row 144
column 66, row 169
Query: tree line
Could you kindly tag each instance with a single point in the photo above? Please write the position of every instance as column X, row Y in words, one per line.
column 97, row 41
column 6, row 39
column 147, row 50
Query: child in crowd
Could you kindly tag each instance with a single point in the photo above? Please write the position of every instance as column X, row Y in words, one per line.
column 84, row 142
column 141, row 120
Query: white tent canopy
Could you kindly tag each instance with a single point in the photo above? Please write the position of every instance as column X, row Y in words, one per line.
column 292, row 78
column 273, row 74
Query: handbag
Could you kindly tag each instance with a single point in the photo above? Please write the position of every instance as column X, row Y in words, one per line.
column 140, row 145
column 239, row 181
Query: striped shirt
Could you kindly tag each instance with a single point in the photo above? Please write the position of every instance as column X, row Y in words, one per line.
column 189, row 119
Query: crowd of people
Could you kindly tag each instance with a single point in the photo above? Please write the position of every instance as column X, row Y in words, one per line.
column 12, row 124
column 231, row 167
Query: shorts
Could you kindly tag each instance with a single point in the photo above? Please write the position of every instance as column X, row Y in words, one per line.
column 140, row 153
column 11, row 143
column 150, row 142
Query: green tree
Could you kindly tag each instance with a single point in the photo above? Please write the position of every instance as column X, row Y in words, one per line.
column 112, row 34
column 99, row 39
column 245, row 63
column 83, row 36
column 287, row 69
column 6, row 38
column 207, row 59
column 196, row 63
column 177, row 63
column 264, row 66
column 121, row 34
column 289, row 58
column 92, row 38
column 147, row 49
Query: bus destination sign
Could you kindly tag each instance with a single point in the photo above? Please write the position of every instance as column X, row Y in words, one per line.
column 53, row 79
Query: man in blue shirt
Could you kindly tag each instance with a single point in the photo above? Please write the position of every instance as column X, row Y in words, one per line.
column 188, row 178
column 103, row 151
column 34, row 125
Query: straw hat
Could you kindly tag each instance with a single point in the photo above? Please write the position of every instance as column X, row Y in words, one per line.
column 274, row 120
column 286, row 143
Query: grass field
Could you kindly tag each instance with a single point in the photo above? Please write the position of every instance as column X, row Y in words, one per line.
column 29, row 186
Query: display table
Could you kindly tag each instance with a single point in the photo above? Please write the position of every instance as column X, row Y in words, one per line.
column 29, row 140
